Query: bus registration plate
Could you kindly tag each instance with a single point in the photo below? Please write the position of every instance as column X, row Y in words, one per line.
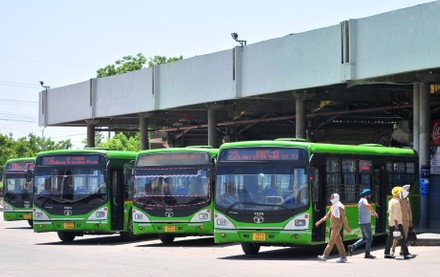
column 170, row 229
column 68, row 225
column 27, row 216
column 259, row 236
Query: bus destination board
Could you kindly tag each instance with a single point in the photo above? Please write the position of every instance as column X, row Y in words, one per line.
column 262, row 154
column 169, row 159
column 57, row 160
column 20, row 166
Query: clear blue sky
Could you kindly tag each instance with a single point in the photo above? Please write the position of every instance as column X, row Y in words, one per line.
column 65, row 42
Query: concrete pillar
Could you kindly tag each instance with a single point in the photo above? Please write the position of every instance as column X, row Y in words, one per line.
column 300, row 119
column 90, row 133
column 416, row 117
column 212, row 127
column 424, row 153
column 143, row 130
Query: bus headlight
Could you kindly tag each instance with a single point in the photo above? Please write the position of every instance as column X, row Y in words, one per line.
column 7, row 208
column 139, row 217
column 202, row 216
column 99, row 214
column 222, row 222
column 39, row 215
column 299, row 222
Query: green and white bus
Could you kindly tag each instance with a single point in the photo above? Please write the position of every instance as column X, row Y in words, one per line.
column 174, row 192
column 18, row 192
column 272, row 192
column 81, row 192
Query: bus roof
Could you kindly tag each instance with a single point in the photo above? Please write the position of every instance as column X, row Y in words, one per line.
column 29, row 159
column 210, row 151
column 107, row 153
column 313, row 147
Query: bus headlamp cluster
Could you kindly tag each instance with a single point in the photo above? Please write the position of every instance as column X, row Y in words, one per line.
column 99, row 214
column 202, row 216
column 7, row 208
column 300, row 222
column 39, row 215
column 223, row 222
column 139, row 216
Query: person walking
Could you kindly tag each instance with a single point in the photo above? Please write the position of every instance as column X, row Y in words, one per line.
column 395, row 225
column 337, row 217
column 405, row 205
column 365, row 211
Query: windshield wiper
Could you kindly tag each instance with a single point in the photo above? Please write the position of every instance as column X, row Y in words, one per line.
column 148, row 200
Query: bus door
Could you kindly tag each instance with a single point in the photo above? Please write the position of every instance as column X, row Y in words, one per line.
column 116, row 195
column 319, row 203
column 379, row 193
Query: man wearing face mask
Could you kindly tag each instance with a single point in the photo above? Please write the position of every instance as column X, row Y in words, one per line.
column 365, row 212
column 406, row 215
column 395, row 225
column 337, row 220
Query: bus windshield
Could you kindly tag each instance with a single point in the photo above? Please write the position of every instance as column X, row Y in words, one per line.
column 15, row 184
column 73, row 183
column 171, row 187
column 270, row 187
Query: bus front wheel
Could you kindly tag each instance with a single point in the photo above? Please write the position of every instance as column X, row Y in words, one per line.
column 66, row 236
column 129, row 235
column 250, row 248
column 166, row 239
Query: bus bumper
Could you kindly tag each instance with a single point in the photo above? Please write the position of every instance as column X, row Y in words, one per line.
column 187, row 228
column 101, row 226
column 10, row 216
column 263, row 237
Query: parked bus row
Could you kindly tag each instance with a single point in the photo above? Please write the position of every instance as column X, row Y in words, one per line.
column 257, row 193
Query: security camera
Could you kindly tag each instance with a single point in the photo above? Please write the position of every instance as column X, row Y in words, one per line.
column 234, row 36
column 41, row 83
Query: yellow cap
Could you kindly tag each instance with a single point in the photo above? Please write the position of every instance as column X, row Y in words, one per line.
column 396, row 191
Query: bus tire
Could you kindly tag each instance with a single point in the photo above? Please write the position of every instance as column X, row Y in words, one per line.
column 166, row 238
column 31, row 223
column 250, row 248
column 66, row 236
column 129, row 235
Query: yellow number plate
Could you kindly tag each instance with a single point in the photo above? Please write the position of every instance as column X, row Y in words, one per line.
column 259, row 236
column 69, row 225
column 170, row 229
column 27, row 216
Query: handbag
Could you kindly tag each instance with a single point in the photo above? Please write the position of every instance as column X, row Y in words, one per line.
column 412, row 237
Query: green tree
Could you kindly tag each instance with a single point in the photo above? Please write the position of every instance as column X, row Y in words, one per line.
column 126, row 64
column 122, row 142
column 132, row 63
column 156, row 60
column 28, row 146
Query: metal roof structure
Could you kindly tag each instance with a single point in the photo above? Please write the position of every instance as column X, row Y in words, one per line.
column 356, row 78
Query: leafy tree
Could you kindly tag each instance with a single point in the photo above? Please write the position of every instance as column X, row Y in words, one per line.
column 122, row 142
column 128, row 63
column 132, row 63
column 156, row 60
column 28, row 146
